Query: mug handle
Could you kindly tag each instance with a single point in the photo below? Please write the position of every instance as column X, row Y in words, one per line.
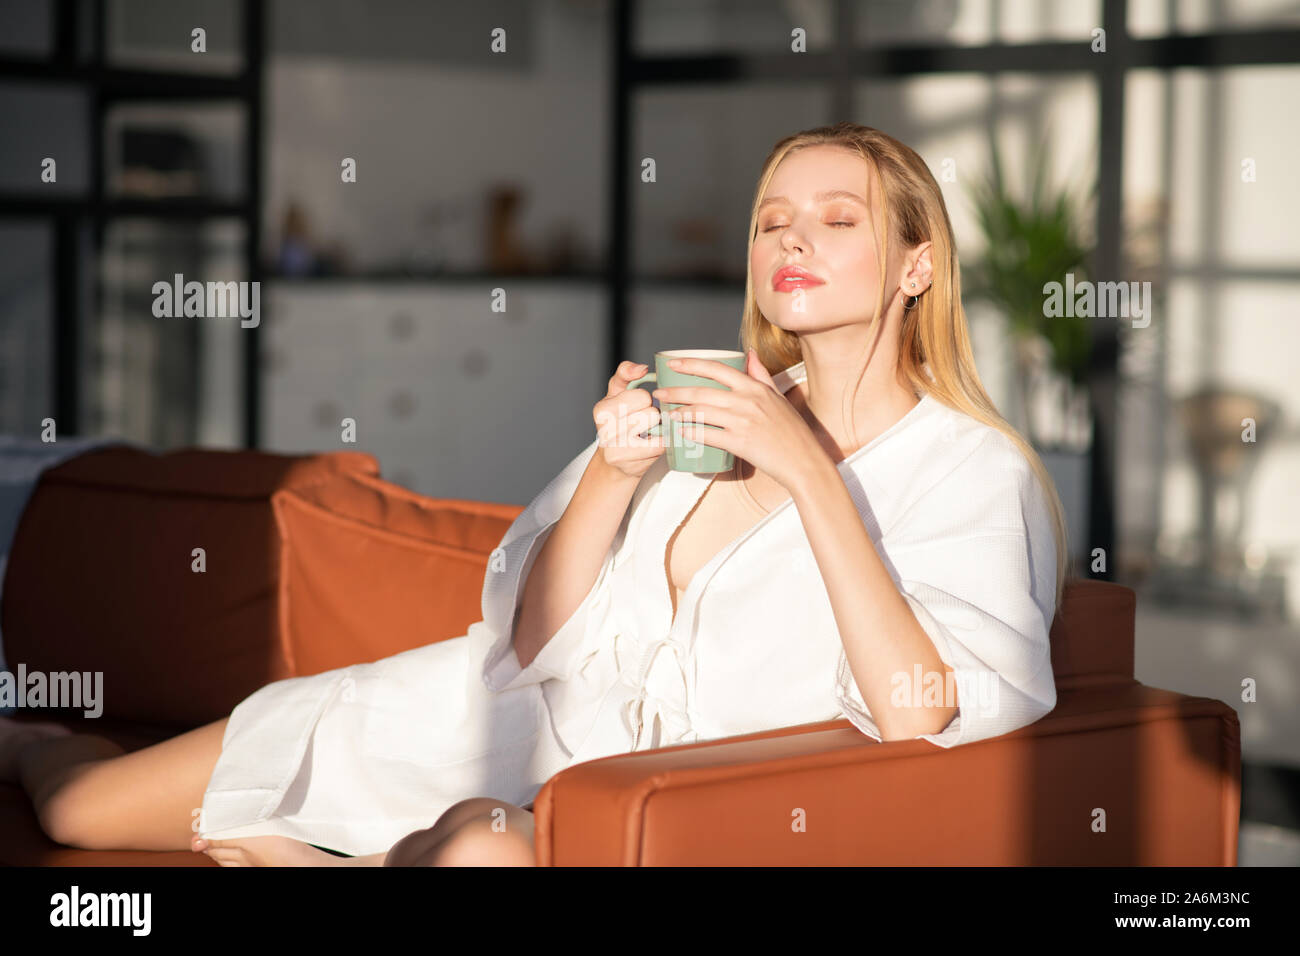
column 654, row 430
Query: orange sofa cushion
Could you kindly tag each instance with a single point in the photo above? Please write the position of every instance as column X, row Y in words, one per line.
column 369, row 569
column 100, row 576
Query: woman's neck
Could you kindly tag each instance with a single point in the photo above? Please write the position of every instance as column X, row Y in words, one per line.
column 881, row 400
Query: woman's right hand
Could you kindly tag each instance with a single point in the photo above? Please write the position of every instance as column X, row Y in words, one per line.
column 622, row 417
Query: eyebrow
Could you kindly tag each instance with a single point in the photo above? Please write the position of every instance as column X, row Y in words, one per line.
column 825, row 196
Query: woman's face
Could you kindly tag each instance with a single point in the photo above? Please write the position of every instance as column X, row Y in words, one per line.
column 810, row 218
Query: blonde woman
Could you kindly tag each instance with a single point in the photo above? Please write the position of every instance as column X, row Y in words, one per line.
column 887, row 549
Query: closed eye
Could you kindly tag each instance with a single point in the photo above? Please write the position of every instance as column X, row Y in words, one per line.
column 850, row 224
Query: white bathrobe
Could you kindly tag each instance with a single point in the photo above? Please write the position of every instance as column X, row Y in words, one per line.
column 354, row 759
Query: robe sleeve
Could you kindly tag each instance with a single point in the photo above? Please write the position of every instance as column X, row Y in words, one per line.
column 983, row 589
column 503, row 584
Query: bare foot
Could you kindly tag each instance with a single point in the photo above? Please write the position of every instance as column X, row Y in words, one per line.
column 16, row 735
column 275, row 851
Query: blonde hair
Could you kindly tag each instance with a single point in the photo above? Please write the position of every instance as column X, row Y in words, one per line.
column 935, row 332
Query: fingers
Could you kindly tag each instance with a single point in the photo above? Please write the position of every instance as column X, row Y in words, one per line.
column 623, row 417
column 656, row 442
column 621, row 401
column 701, row 415
column 641, row 420
column 617, row 426
column 695, row 395
column 626, row 372
column 709, row 368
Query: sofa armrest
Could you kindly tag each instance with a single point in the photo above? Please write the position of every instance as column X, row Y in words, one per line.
column 1161, row 770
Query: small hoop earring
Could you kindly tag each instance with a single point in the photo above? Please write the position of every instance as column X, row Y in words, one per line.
column 909, row 308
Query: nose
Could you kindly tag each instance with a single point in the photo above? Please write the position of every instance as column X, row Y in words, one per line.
column 791, row 240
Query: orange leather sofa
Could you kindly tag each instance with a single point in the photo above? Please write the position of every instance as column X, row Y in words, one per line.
column 315, row 562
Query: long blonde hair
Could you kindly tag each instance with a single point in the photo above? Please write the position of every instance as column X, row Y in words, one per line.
column 935, row 332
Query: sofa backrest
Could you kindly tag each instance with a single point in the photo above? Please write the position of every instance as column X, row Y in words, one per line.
column 309, row 563
column 1092, row 635
column 371, row 569
column 104, row 575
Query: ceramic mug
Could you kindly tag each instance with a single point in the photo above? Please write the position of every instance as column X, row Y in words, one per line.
column 684, row 454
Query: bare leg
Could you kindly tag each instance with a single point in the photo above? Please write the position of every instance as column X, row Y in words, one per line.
column 477, row 832
column 276, row 851
column 88, row 793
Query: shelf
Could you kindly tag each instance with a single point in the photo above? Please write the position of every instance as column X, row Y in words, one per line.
column 399, row 276
column 720, row 283
column 35, row 205
column 121, row 84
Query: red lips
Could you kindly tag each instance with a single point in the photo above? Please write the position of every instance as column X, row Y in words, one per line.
column 789, row 278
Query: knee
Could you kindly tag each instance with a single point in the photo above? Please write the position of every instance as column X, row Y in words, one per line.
column 479, row 842
column 68, row 818
column 461, row 813
column 472, row 832
column 416, row 849
column 465, row 810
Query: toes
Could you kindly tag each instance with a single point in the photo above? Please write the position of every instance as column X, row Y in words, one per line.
column 261, row 851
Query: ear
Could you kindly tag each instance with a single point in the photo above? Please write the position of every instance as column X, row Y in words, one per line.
column 918, row 270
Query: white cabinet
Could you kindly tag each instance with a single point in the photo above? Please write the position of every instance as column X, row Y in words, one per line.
column 455, row 400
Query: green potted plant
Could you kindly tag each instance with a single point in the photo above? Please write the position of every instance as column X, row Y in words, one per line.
column 1032, row 240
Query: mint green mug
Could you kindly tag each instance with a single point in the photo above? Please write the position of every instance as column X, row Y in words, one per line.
column 684, row 454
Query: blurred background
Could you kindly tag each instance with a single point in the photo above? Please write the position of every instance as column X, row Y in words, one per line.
column 381, row 170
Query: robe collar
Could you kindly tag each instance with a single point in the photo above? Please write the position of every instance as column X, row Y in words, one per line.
column 681, row 491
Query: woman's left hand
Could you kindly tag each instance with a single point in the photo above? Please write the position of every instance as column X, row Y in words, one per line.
column 757, row 423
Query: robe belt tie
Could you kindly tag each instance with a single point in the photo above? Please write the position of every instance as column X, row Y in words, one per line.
column 643, row 709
